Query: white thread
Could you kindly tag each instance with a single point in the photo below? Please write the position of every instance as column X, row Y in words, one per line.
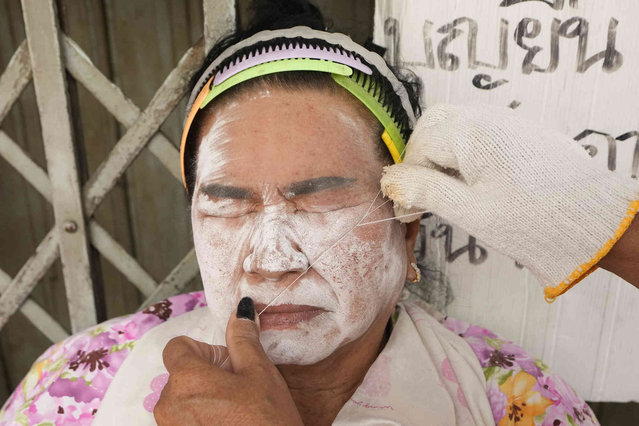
column 392, row 218
column 228, row 355
column 368, row 212
column 381, row 205
column 322, row 254
column 359, row 222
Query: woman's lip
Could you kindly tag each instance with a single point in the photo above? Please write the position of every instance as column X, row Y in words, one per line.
column 281, row 317
column 278, row 309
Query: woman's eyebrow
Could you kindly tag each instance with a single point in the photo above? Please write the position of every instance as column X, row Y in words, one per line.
column 225, row 191
column 316, row 184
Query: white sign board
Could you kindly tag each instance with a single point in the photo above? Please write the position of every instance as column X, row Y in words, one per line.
column 573, row 65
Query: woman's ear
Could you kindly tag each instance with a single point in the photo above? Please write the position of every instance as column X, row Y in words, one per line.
column 412, row 231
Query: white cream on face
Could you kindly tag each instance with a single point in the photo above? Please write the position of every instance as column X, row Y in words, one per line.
column 257, row 247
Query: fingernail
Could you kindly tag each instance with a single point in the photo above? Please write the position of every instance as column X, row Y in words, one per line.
column 246, row 309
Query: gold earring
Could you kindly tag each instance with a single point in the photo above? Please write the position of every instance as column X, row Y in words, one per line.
column 417, row 272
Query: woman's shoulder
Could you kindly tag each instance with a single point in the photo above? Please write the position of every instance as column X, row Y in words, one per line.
column 68, row 381
column 520, row 387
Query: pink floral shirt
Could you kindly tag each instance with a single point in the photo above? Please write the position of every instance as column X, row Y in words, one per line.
column 67, row 382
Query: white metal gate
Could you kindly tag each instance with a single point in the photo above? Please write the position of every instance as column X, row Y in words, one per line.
column 44, row 56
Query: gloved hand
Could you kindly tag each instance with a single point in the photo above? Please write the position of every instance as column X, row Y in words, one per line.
column 529, row 192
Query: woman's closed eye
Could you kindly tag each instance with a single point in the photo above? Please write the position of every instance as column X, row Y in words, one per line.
column 225, row 207
column 327, row 193
column 330, row 200
column 224, row 200
column 318, row 195
column 234, row 207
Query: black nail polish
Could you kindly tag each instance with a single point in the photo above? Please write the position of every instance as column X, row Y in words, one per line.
column 246, row 309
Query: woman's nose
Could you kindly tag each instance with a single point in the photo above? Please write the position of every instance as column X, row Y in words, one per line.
column 274, row 253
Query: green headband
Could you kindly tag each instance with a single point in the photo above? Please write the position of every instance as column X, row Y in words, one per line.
column 341, row 74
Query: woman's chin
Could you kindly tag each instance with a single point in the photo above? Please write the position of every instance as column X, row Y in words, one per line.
column 298, row 355
column 299, row 346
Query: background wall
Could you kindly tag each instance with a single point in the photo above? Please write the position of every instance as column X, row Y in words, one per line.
column 570, row 65
column 135, row 44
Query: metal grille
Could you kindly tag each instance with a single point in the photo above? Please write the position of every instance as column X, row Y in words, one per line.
column 44, row 56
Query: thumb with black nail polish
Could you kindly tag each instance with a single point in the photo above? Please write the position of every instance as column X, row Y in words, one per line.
column 243, row 337
column 246, row 309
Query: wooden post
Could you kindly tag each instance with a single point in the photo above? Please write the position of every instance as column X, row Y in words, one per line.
column 219, row 19
column 112, row 98
column 177, row 279
column 14, row 79
column 48, row 76
column 142, row 130
column 38, row 316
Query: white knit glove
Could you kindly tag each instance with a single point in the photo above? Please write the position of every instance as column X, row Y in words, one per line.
column 529, row 192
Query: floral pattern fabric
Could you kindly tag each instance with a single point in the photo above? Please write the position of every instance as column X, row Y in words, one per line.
column 67, row 382
column 521, row 389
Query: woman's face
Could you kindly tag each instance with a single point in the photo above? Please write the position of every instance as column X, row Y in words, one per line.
column 281, row 176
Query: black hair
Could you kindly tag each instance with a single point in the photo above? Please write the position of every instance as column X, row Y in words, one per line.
column 281, row 14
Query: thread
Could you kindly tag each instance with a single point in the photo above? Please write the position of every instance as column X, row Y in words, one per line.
column 380, row 206
column 369, row 211
column 392, row 218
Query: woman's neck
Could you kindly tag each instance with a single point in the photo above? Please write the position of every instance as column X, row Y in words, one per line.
column 321, row 390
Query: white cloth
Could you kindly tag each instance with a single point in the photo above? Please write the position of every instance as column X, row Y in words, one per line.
column 529, row 192
column 425, row 375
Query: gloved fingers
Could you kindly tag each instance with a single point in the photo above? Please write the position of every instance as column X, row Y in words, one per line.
column 423, row 189
column 432, row 140
column 405, row 215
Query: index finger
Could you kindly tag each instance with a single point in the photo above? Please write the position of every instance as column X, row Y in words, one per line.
column 184, row 352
